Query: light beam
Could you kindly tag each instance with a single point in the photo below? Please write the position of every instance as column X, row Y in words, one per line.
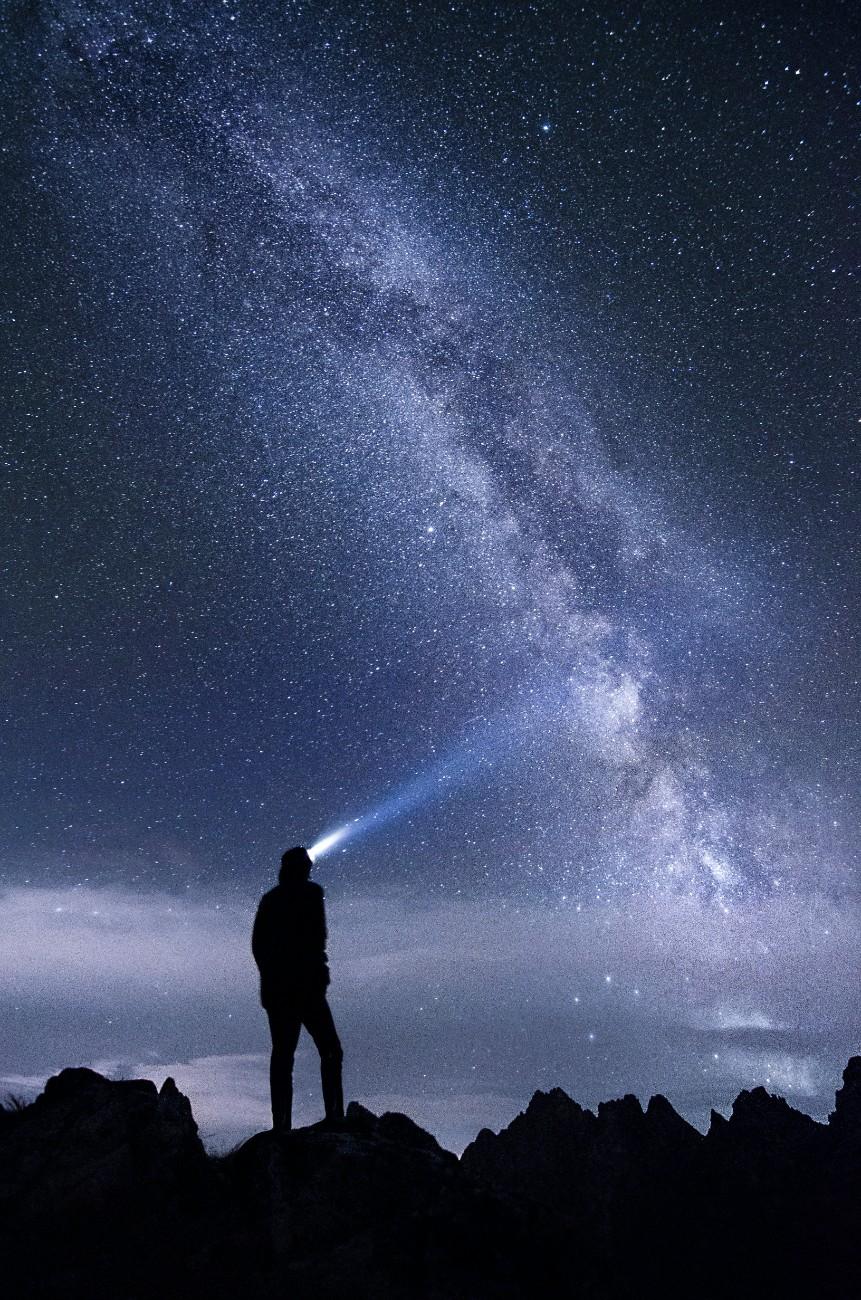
column 473, row 755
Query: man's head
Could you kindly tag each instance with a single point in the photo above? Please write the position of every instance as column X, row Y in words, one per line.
column 295, row 866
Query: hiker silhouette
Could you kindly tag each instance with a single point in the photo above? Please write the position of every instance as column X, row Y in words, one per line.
column 289, row 947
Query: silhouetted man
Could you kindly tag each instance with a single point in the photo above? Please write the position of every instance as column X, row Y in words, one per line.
column 289, row 946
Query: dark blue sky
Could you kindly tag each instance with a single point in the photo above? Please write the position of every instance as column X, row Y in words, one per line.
column 386, row 384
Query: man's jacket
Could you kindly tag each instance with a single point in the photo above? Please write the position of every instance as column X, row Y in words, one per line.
column 289, row 943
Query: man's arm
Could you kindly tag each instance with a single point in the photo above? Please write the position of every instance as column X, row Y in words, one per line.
column 258, row 934
column 317, row 930
column 317, row 918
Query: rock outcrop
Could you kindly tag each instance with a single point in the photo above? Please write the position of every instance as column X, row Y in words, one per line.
column 845, row 1119
column 106, row 1190
column 97, row 1177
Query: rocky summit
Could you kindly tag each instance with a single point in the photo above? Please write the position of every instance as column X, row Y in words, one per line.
column 106, row 1191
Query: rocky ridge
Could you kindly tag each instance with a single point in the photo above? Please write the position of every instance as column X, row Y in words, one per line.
column 106, row 1190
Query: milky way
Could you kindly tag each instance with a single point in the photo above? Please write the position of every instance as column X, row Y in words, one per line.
column 444, row 415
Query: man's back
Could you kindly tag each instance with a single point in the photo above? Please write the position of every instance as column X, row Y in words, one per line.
column 289, row 941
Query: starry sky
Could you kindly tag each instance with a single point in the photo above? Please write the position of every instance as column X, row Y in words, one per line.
column 446, row 412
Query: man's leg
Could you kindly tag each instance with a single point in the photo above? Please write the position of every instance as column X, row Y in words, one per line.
column 284, row 1026
column 317, row 1017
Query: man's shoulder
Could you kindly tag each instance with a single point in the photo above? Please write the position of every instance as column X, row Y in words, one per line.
column 280, row 895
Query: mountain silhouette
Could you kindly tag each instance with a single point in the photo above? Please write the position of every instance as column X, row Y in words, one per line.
column 106, row 1190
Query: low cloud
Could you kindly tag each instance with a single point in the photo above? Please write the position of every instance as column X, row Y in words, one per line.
column 453, row 1011
column 109, row 939
column 799, row 1077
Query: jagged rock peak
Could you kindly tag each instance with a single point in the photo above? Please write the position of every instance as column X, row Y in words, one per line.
column 391, row 1126
column 758, row 1109
column 76, row 1082
column 556, row 1104
column 718, row 1123
column 661, row 1108
column 82, row 1090
column 665, row 1119
column 846, row 1116
column 620, row 1111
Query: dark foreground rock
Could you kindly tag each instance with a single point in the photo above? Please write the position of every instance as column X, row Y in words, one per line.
column 106, row 1190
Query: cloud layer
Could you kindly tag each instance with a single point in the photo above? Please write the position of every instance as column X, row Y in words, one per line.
column 452, row 1011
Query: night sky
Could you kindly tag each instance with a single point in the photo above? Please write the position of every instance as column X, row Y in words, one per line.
column 447, row 411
